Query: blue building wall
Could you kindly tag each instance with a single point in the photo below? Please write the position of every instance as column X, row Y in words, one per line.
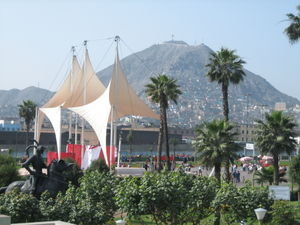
column 10, row 127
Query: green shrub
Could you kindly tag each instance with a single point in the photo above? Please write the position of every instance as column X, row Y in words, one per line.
column 91, row 203
column 8, row 170
column 20, row 206
column 283, row 213
column 169, row 197
column 238, row 203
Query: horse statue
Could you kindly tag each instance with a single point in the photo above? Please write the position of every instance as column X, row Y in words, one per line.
column 59, row 174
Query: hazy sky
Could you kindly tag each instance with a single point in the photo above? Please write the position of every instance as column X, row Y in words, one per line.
column 36, row 35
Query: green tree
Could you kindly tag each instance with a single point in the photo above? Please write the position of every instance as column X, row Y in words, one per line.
column 284, row 213
column 238, row 203
column 215, row 143
column 294, row 171
column 162, row 90
column 169, row 197
column 266, row 175
column 293, row 30
column 129, row 139
column 276, row 136
column 20, row 206
column 8, row 170
column 225, row 67
column 174, row 142
column 93, row 202
column 27, row 112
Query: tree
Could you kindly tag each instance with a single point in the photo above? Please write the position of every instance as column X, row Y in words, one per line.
column 27, row 112
column 266, row 175
column 293, row 30
column 215, row 142
column 276, row 136
column 93, row 202
column 238, row 203
column 8, row 170
column 169, row 197
column 225, row 67
column 294, row 171
column 161, row 90
column 20, row 206
column 174, row 142
column 129, row 139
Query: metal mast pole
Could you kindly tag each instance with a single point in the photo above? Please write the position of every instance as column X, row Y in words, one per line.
column 84, row 101
column 71, row 89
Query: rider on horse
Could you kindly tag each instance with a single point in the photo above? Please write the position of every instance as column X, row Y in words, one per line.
column 37, row 163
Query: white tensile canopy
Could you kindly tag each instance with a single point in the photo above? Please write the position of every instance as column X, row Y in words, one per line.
column 117, row 101
column 80, row 87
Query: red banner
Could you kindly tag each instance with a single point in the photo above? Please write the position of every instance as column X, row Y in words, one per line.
column 54, row 155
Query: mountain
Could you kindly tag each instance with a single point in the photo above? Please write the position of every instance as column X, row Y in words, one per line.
column 9, row 100
column 200, row 99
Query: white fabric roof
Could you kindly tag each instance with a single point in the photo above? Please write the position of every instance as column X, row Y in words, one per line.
column 118, row 95
column 71, row 94
column 123, row 97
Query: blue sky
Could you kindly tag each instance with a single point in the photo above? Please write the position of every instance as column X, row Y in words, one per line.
column 36, row 35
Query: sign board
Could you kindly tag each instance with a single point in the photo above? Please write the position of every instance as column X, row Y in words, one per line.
column 280, row 192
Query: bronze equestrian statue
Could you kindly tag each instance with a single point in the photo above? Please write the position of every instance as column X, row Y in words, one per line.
column 59, row 174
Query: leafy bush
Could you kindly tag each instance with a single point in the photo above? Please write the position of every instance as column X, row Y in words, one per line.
column 238, row 204
column 20, row 206
column 91, row 203
column 283, row 213
column 169, row 197
column 294, row 170
column 59, row 208
column 98, row 165
column 8, row 170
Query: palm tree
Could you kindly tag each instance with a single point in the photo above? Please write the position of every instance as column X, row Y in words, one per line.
column 266, row 175
column 27, row 112
column 161, row 90
column 225, row 67
column 293, row 30
column 294, row 172
column 174, row 142
column 129, row 139
column 215, row 143
column 276, row 136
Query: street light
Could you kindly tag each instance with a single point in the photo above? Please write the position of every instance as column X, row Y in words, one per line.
column 260, row 214
column 120, row 222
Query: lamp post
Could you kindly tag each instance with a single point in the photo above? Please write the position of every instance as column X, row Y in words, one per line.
column 120, row 222
column 260, row 214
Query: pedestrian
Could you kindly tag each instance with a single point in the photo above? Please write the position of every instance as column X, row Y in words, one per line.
column 238, row 177
column 200, row 171
column 146, row 166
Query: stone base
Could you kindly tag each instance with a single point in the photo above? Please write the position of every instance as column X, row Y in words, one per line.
column 4, row 220
column 44, row 223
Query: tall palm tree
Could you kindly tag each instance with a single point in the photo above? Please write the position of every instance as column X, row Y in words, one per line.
column 293, row 30
column 225, row 67
column 215, row 143
column 27, row 112
column 161, row 90
column 276, row 136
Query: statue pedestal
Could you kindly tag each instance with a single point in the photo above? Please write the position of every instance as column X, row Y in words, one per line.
column 4, row 220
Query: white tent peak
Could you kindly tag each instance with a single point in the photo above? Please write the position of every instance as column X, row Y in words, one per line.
column 117, row 101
